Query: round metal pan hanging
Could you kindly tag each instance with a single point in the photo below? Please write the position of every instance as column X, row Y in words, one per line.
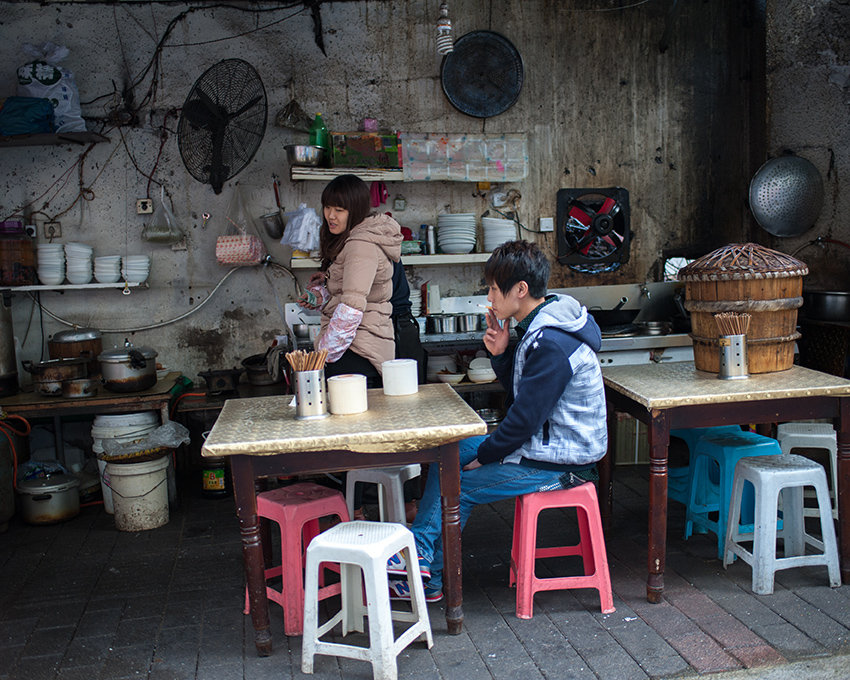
column 482, row 76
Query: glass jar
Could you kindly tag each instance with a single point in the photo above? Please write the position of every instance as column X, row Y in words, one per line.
column 17, row 255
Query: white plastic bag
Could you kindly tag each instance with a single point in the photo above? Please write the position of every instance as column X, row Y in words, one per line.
column 43, row 78
column 163, row 225
column 302, row 229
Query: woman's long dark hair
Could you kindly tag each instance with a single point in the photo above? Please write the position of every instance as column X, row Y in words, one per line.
column 349, row 192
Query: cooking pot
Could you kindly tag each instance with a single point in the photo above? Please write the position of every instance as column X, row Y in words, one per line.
column 79, row 387
column 826, row 305
column 441, row 323
column 257, row 370
column 47, row 376
column 77, row 342
column 467, row 322
column 616, row 316
column 128, row 368
column 50, row 499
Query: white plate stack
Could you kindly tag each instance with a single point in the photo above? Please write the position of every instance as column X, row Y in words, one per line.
column 51, row 263
column 78, row 258
column 496, row 232
column 440, row 363
column 136, row 268
column 456, row 232
column 107, row 268
column 415, row 301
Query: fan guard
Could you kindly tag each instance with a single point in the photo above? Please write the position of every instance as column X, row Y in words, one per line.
column 222, row 122
column 594, row 234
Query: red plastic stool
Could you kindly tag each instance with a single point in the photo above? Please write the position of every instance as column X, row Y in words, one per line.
column 591, row 547
column 297, row 509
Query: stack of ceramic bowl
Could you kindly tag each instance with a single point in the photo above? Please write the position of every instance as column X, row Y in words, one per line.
column 456, row 232
column 51, row 263
column 440, row 363
column 136, row 268
column 78, row 258
column 107, row 268
column 496, row 232
column 481, row 371
column 415, row 301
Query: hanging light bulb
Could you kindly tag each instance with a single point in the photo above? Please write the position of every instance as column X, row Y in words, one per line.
column 445, row 43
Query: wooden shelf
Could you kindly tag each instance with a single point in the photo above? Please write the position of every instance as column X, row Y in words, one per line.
column 300, row 172
column 73, row 286
column 53, row 139
column 408, row 260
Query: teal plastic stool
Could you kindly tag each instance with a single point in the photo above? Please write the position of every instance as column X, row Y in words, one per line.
column 679, row 479
column 716, row 456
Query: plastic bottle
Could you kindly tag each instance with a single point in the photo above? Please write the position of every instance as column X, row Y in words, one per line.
column 319, row 135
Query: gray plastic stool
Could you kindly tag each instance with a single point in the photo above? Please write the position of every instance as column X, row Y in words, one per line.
column 390, row 481
column 812, row 436
column 771, row 475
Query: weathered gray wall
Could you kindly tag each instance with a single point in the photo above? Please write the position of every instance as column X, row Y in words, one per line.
column 602, row 104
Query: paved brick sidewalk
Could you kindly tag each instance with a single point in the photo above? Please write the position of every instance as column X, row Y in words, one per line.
column 82, row 600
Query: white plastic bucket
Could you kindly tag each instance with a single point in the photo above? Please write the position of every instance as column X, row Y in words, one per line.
column 139, row 494
column 105, row 491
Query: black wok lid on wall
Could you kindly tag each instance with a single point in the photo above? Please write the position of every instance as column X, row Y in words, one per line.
column 482, row 76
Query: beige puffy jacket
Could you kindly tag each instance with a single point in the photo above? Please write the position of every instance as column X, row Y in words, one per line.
column 361, row 277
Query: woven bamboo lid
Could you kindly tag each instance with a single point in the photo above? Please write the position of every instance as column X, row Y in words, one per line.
column 743, row 261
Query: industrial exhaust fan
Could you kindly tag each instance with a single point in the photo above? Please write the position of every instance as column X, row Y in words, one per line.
column 593, row 229
column 222, row 122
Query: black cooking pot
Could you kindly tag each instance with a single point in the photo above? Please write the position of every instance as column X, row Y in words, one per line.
column 826, row 305
column 616, row 316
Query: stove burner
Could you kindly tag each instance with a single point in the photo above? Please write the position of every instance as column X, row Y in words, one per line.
column 627, row 330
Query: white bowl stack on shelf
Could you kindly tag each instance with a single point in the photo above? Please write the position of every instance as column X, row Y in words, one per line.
column 415, row 301
column 136, row 268
column 51, row 263
column 496, row 232
column 78, row 257
column 440, row 363
column 481, row 371
column 107, row 268
column 456, row 232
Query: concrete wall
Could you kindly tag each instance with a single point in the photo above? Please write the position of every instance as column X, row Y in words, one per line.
column 651, row 98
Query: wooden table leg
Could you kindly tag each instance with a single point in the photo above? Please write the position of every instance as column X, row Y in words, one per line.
column 252, row 550
column 843, row 491
column 450, row 497
column 606, row 478
column 659, row 440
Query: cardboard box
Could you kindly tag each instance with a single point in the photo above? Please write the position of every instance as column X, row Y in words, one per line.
column 366, row 149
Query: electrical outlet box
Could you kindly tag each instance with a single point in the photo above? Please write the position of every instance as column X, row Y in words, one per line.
column 52, row 230
column 144, row 206
column 547, row 224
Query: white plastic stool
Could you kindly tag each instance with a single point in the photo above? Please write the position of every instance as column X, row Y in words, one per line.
column 390, row 481
column 771, row 475
column 364, row 546
column 812, row 436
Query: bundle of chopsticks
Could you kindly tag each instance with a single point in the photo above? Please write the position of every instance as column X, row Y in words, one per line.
column 732, row 323
column 307, row 361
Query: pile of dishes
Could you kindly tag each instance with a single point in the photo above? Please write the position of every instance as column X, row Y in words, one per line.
column 136, row 268
column 456, row 232
column 496, row 232
column 440, row 364
column 107, row 268
column 415, row 301
column 78, row 259
column 51, row 263
column 480, row 371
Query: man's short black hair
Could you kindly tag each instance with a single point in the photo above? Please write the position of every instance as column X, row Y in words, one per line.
column 516, row 261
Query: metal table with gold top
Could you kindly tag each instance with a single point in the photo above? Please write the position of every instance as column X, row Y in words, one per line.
column 262, row 438
column 676, row 395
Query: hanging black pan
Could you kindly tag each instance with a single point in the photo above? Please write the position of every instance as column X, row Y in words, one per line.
column 482, row 76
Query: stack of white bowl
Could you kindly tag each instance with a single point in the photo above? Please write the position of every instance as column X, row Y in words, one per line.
column 78, row 257
column 496, row 232
column 456, row 232
column 481, row 371
column 415, row 301
column 136, row 268
column 107, row 268
column 440, row 363
column 51, row 263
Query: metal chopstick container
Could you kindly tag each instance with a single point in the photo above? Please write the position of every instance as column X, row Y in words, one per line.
column 733, row 357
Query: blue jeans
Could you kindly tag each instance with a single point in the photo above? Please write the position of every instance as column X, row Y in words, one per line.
column 488, row 483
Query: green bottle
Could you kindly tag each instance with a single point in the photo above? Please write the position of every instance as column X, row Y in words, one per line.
column 319, row 135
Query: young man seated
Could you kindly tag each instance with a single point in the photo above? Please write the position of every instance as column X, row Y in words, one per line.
column 554, row 430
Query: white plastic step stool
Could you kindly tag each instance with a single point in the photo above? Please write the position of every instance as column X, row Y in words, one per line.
column 362, row 550
column 390, row 481
column 812, row 436
column 771, row 476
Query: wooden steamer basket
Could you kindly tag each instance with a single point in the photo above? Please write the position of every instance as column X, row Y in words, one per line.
column 745, row 277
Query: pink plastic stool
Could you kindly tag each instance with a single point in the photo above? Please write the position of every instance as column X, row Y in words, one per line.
column 297, row 509
column 591, row 547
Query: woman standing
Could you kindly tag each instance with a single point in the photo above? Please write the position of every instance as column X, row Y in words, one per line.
column 354, row 288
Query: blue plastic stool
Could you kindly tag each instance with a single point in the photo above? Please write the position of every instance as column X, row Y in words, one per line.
column 679, row 479
column 716, row 456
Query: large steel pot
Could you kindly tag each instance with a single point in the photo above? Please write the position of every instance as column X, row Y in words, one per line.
column 826, row 305
column 128, row 368
column 50, row 499
column 77, row 342
column 47, row 376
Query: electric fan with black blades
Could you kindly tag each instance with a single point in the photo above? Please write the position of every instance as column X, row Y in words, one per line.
column 222, row 122
column 593, row 229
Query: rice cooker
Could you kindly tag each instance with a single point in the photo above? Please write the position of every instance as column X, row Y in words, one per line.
column 50, row 499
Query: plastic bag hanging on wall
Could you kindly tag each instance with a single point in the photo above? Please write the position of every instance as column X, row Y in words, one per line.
column 239, row 243
column 163, row 225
